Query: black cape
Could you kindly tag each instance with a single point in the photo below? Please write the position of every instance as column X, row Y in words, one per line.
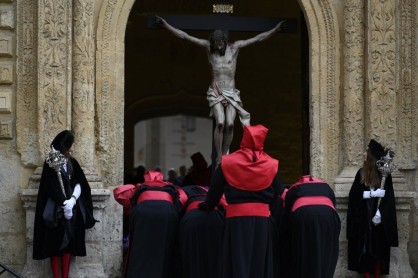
column 367, row 242
column 200, row 235
column 309, row 234
column 153, row 235
column 69, row 235
column 247, row 243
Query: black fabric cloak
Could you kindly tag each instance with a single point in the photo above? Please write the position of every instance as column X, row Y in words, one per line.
column 69, row 235
column 309, row 234
column 153, row 236
column 368, row 243
column 247, row 243
column 200, row 237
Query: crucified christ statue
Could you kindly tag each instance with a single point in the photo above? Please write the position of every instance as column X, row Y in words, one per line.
column 224, row 99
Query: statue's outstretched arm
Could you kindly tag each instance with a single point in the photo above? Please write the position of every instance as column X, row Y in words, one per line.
column 179, row 33
column 261, row 37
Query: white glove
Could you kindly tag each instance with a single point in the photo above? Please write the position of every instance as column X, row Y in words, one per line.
column 377, row 219
column 69, row 204
column 68, row 213
column 366, row 195
column 380, row 193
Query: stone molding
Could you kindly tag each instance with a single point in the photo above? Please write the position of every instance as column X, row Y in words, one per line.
column 325, row 87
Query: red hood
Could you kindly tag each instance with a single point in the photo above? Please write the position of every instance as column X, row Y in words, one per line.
column 250, row 168
column 154, row 178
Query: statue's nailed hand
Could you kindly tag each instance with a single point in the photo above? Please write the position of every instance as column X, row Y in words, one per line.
column 282, row 25
column 158, row 21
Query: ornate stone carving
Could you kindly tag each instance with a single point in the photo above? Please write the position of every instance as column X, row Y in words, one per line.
column 381, row 104
column 26, row 108
column 54, row 50
column 109, row 92
column 325, row 96
column 406, row 113
column 83, row 81
column 353, row 82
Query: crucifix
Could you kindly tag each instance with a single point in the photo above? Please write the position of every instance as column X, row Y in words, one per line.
column 224, row 99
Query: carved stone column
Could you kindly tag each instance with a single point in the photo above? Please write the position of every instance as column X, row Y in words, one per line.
column 54, row 78
column 381, row 82
column 353, row 115
column 406, row 150
column 353, row 125
column 26, row 98
column 83, row 84
column 353, row 83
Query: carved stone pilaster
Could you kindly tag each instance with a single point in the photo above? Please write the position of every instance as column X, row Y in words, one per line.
column 110, row 88
column 353, row 138
column 406, row 93
column 325, row 91
column 54, row 60
column 382, row 58
column 27, row 138
column 83, row 82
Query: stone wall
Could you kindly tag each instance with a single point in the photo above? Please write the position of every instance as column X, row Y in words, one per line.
column 62, row 63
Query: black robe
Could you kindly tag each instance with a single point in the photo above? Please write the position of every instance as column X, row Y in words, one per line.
column 368, row 243
column 153, row 237
column 69, row 235
column 309, row 234
column 248, row 240
column 200, row 237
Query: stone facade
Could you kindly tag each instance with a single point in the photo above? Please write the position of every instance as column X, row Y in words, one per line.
column 62, row 66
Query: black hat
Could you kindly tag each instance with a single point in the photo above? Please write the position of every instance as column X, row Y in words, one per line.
column 376, row 149
column 63, row 141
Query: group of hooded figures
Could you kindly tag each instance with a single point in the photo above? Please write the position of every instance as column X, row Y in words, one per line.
column 244, row 225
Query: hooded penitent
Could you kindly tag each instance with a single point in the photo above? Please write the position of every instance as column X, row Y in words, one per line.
column 154, row 178
column 250, row 168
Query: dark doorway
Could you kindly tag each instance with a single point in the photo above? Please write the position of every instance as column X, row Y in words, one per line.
column 166, row 75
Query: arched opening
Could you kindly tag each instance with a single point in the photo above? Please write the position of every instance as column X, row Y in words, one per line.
column 164, row 74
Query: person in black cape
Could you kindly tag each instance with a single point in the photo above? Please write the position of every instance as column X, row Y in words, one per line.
column 200, row 235
column 369, row 241
column 153, row 235
column 250, row 179
column 70, row 205
column 310, row 230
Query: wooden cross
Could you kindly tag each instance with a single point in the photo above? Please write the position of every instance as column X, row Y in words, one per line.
column 223, row 22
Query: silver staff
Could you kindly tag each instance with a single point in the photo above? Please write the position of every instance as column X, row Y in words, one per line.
column 56, row 160
column 385, row 166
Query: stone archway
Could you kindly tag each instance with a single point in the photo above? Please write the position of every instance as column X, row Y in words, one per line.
column 323, row 74
column 324, row 84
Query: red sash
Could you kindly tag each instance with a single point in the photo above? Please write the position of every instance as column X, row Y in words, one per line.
column 312, row 200
column 247, row 209
column 182, row 196
column 152, row 195
column 193, row 205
